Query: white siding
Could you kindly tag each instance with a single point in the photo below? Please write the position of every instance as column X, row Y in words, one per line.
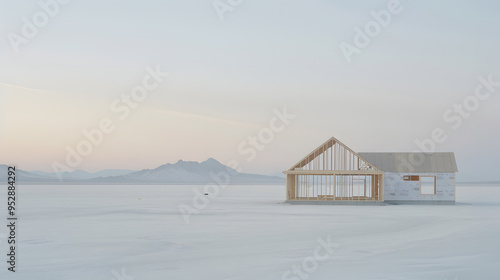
column 395, row 188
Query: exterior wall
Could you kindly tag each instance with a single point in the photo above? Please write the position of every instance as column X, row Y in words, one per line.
column 396, row 189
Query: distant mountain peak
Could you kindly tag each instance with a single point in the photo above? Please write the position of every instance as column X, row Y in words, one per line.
column 181, row 172
column 183, row 163
column 211, row 159
column 194, row 172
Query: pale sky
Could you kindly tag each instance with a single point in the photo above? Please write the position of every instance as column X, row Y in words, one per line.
column 227, row 76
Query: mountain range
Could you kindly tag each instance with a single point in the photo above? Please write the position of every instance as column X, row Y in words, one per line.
column 182, row 172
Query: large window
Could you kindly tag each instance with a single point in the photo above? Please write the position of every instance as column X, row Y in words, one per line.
column 428, row 185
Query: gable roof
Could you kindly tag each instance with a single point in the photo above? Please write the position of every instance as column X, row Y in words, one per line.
column 331, row 144
column 413, row 162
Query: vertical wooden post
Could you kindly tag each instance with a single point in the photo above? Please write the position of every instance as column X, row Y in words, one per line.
column 290, row 186
column 334, row 187
column 381, row 187
column 364, row 181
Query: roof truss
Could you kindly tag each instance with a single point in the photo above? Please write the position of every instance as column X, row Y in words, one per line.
column 333, row 155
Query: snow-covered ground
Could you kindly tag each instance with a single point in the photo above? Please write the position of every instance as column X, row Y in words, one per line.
column 247, row 232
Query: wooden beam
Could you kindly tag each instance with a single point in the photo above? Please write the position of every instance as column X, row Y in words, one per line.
column 290, row 186
column 381, row 197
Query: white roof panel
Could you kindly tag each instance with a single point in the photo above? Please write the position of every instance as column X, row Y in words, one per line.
column 412, row 162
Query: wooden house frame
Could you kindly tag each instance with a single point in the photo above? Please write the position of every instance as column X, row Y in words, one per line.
column 334, row 172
